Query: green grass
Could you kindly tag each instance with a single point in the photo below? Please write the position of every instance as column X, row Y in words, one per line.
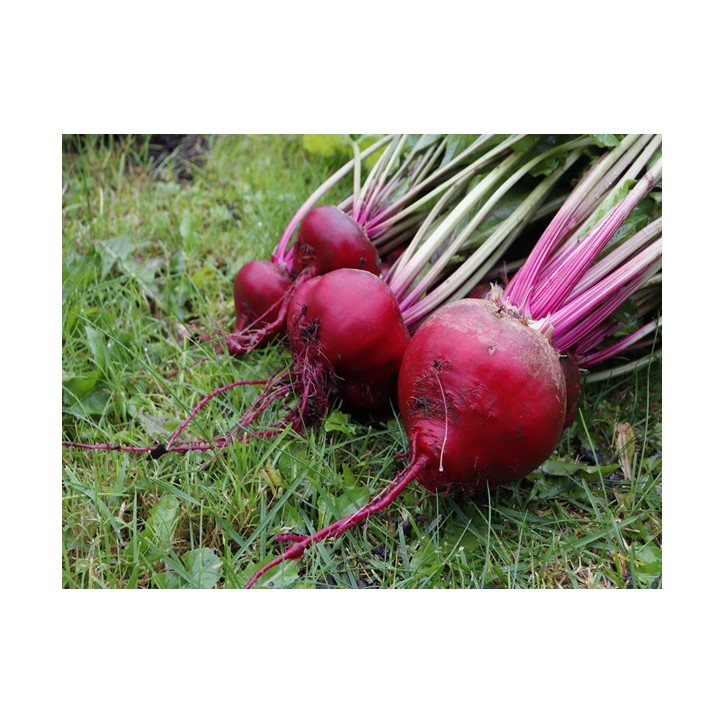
column 148, row 258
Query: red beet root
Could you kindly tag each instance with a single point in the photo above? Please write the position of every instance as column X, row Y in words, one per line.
column 329, row 239
column 258, row 286
column 482, row 397
column 346, row 332
column 349, row 320
column 259, row 291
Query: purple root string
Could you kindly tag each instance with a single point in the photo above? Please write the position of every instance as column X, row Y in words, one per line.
column 206, row 399
column 336, row 529
column 218, row 443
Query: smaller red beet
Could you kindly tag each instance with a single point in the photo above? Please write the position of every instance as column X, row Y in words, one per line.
column 260, row 287
column 328, row 239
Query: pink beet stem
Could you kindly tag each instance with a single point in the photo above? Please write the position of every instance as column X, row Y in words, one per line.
column 620, row 346
column 597, row 181
column 579, row 314
column 336, row 529
column 552, row 292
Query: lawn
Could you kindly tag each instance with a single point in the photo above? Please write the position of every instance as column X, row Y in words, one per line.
column 150, row 247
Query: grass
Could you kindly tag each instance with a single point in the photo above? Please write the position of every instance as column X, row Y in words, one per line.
column 149, row 254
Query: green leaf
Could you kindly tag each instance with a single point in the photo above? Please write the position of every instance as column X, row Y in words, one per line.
column 351, row 500
column 203, row 567
column 456, row 144
column 161, row 525
column 157, row 426
column 116, row 253
column 553, row 487
column 647, row 562
column 117, row 250
column 547, row 167
column 282, row 576
column 348, row 477
column 292, row 518
column 168, row 579
column 79, row 387
column 460, row 537
column 563, row 467
column 606, row 140
column 84, row 396
column 607, row 204
column 94, row 404
column 97, row 345
column 637, row 219
column 340, row 422
column 525, row 144
column 324, row 144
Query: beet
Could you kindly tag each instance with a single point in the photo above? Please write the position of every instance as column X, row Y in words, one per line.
column 482, row 397
column 347, row 336
column 258, row 286
column 349, row 320
column 328, row 239
column 259, row 290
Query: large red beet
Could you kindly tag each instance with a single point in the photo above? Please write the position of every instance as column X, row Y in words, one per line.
column 482, row 396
